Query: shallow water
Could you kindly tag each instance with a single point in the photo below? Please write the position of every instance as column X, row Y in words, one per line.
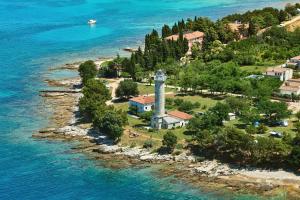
column 36, row 35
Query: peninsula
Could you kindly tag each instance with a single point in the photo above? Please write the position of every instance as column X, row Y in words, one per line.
column 214, row 102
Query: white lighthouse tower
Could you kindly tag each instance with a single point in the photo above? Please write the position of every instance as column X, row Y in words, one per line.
column 157, row 119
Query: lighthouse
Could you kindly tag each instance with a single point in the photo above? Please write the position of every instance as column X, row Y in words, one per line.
column 159, row 113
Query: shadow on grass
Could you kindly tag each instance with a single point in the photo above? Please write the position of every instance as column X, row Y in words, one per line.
column 211, row 96
column 121, row 100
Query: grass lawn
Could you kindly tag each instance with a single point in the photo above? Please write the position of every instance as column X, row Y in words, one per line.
column 138, row 126
column 147, row 89
column 206, row 101
column 254, row 68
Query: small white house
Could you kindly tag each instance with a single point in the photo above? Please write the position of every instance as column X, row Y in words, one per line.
column 142, row 103
column 282, row 73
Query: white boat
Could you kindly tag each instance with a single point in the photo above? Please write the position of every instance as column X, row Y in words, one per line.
column 92, row 21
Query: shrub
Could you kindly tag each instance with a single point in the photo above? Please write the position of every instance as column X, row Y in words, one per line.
column 170, row 140
column 146, row 115
column 127, row 88
column 132, row 145
column 251, row 130
column 261, row 129
column 87, row 70
column 148, row 144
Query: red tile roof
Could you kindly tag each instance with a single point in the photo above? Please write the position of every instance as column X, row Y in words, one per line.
column 296, row 58
column 143, row 99
column 188, row 36
column 180, row 115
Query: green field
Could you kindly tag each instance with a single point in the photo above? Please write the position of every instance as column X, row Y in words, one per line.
column 147, row 89
column 254, row 68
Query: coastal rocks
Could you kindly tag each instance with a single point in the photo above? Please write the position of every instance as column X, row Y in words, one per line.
column 184, row 157
column 214, row 169
column 47, row 130
column 64, row 82
column 108, row 149
column 72, row 131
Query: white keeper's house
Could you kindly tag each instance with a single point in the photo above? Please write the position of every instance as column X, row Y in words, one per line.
column 142, row 103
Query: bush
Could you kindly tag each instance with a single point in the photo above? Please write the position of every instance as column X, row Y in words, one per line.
column 132, row 145
column 251, row 130
column 261, row 129
column 87, row 70
column 170, row 140
column 178, row 102
column 179, row 146
column 146, row 115
column 148, row 144
column 127, row 88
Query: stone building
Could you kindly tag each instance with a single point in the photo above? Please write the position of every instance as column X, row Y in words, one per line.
column 160, row 119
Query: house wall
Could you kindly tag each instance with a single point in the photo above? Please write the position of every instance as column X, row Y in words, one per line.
column 193, row 41
column 283, row 76
column 141, row 107
column 170, row 126
column 288, row 92
column 182, row 123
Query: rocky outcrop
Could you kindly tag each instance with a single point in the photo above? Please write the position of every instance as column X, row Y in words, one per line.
column 213, row 169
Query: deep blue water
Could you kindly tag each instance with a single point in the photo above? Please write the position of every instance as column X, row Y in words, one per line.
column 36, row 35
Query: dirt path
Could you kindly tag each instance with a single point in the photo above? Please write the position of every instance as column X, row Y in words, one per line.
column 113, row 84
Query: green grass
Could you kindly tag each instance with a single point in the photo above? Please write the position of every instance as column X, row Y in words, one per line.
column 121, row 106
column 147, row 89
column 254, row 68
column 206, row 102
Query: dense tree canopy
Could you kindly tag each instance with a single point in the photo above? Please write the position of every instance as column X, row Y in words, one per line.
column 127, row 88
column 87, row 70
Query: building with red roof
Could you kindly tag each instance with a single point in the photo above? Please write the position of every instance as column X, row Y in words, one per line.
column 195, row 37
column 142, row 103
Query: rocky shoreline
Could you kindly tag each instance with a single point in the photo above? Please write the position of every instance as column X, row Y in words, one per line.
column 210, row 175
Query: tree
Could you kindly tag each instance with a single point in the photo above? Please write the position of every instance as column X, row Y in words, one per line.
column 274, row 111
column 205, row 138
column 170, row 140
column 261, row 129
column 298, row 115
column 237, row 104
column 270, row 151
column 270, row 20
column 127, row 88
column 95, row 94
column 110, row 122
column 87, row 70
column 294, row 158
column 297, row 127
column 166, row 31
column 235, row 143
column 221, row 111
column 255, row 24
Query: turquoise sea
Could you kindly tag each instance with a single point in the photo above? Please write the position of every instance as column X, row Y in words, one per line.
column 38, row 34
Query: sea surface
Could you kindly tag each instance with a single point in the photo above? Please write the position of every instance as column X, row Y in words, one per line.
column 38, row 34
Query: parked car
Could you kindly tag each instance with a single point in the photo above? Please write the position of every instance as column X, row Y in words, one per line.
column 276, row 134
column 283, row 123
column 199, row 114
